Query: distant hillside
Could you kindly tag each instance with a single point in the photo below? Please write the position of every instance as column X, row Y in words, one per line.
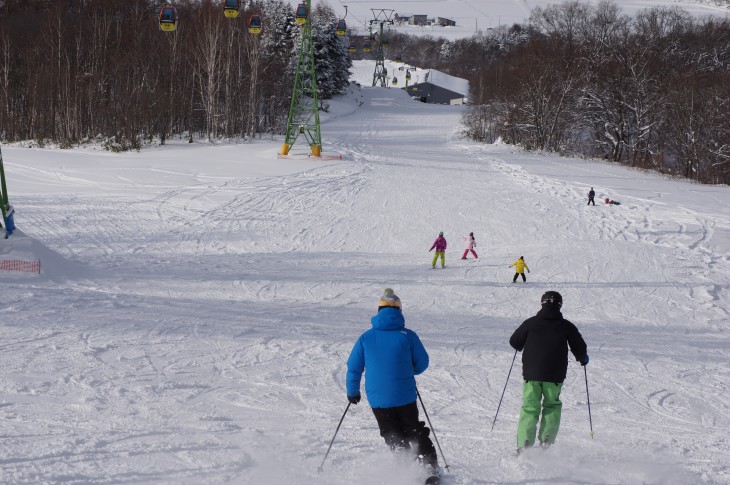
column 472, row 16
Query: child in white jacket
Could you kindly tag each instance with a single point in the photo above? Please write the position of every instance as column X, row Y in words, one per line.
column 470, row 245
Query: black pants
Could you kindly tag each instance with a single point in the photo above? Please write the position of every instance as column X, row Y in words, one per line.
column 402, row 430
column 523, row 277
column 590, row 199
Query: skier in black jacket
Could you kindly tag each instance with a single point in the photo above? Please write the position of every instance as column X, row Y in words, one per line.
column 591, row 196
column 544, row 340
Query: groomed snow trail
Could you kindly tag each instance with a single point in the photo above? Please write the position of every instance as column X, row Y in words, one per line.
column 194, row 324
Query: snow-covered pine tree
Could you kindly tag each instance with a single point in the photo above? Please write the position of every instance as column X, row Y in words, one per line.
column 278, row 46
column 277, row 36
column 330, row 53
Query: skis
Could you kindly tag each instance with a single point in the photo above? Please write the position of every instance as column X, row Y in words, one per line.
column 531, row 450
column 435, row 478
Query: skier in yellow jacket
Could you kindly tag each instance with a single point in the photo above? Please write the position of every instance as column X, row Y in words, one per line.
column 520, row 267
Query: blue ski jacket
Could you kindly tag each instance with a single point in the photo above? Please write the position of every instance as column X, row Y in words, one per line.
column 393, row 355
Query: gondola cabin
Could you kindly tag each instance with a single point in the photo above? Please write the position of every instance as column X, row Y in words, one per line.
column 395, row 81
column 398, row 58
column 367, row 46
column 231, row 8
column 301, row 13
column 168, row 18
column 384, row 42
column 352, row 47
column 254, row 24
column 408, row 74
column 341, row 27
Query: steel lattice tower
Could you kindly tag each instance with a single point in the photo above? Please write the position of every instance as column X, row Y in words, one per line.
column 304, row 109
column 381, row 17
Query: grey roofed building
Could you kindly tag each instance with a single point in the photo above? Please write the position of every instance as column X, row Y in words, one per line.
column 440, row 88
column 444, row 22
column 418, row 20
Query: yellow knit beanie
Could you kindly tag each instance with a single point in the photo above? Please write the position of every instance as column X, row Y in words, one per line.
column 389, row 298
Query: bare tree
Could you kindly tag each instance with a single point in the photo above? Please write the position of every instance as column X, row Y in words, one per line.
column 697, row 133
column 208, row 55
column 252, row 46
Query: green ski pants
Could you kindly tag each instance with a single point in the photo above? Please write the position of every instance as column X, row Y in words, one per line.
column 439, row 255
column 532, row 393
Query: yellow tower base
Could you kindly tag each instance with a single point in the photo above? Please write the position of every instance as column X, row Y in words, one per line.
column 316, row 150
column 285, row 149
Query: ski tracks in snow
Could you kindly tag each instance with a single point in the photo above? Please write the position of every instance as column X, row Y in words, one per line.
column 209, row 343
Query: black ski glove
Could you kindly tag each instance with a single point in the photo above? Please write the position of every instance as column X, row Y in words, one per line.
column 354, row 399
column 584, row 362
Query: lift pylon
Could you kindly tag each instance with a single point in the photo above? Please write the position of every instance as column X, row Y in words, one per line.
column 381, row 17
column 304, row 109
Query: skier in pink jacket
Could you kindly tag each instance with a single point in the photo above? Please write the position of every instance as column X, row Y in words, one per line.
column 440, row 245
column 470, row 245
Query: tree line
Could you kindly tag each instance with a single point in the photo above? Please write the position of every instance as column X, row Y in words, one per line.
column 650, row 91
column 75, row 70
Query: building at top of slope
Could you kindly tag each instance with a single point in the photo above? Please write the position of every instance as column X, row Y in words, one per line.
column 440, row 88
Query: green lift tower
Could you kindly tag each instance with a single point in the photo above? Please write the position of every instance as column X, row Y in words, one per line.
column 304, row 109
column 381, row 17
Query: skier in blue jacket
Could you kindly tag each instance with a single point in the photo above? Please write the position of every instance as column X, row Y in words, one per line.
column 393, row 356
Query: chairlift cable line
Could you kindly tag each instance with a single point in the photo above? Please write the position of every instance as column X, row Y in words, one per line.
column 360, row 21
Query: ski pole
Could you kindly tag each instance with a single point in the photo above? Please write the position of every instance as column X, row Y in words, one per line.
column 503, row 390
column 333, row 438
column 433, row 430
column 588, row 398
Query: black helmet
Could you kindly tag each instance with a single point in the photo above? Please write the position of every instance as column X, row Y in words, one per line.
column 552, row 297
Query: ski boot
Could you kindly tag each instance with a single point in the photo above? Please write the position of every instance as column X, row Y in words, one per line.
column 434, row 475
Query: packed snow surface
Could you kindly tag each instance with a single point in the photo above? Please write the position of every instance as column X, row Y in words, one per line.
column 197, row 304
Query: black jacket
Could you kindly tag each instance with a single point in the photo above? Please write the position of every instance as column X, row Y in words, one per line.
column 544, row 340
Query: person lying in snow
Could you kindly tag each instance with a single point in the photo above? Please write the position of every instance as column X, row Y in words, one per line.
column 612, row 202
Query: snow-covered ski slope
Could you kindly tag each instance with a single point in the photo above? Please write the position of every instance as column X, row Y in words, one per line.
column 198, row 303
